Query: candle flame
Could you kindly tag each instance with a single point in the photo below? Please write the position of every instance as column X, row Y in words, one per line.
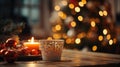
column 32, row 39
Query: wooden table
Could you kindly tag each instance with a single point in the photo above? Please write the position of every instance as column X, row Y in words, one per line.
column 73, row 58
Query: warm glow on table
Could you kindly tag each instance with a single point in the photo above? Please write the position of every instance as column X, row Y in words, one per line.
column 32, row 45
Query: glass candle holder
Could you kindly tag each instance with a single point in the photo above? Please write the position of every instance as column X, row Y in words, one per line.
column 51, row 49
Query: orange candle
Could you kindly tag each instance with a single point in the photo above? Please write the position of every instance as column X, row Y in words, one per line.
column 32, row 45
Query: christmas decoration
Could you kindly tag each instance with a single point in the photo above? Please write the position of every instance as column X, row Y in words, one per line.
column 10, row 56
column 34, row 52
column 84, row 23
column 11, row 43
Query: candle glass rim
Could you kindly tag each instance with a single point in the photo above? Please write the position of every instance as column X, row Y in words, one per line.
column 51, row 40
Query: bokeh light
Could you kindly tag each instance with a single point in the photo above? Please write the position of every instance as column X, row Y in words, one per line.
column 62, row 15
column 100, row 13
column 100, row 38
column 64, row 2
column 94, row 48
column 105, row 13
column 57, row 8
column 81, row 35
column 58, row 27
column 49, row 38
column 80, row 18
column 84, row 1
column 110, row 42
column 71, row 6
column 56, row 36
column 68, row 40
column 77, row 9
column 77, row 40
column 81, row 4
column 108, row 37
column 93, row 24
column 73, row 23
column 105, row 31
column 114, row 40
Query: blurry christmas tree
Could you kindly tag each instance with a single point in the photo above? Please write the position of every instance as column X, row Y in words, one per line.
column 84, row 23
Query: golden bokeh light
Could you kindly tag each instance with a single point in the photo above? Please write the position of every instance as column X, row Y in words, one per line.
column 105, row 31
column 64, row 2
column 77, row 9
column 93, row 24
column 80, row 18
column 110, row 42
column 57, row 8
column 100, row 38
column 58, row 27
column 81, row 35
column 100, row 13
column 84, row 1
column 94, row 48
column 81, row 4
column 49, row 38
column 71, row 6
column 68, row 40
column 62, row 15
column 73, row 23
column 56, row 36
column 77, row 40
column 108, row 37
column 105, row 13
column 114, row 40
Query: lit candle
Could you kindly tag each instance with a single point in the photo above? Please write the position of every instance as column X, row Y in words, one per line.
column 31, row 44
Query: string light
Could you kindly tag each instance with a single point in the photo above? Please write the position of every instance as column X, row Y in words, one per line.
column 81, row 4
column 105, row 31
column 94, row 48
column 80, row 18
column 100, row 38
column 58, row 27
column 100, row 13
column 93, row 23
column 73, row 23
column 71, row 6
column 77, row 40
column 105, row 13
column 77, row 9
column 57, row 8
column 110, row 42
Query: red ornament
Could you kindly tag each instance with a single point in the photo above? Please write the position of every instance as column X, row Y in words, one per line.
column 10, row 43
column 2, row 51
column 10, row 56
column 34, row 52
column 24, row 51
